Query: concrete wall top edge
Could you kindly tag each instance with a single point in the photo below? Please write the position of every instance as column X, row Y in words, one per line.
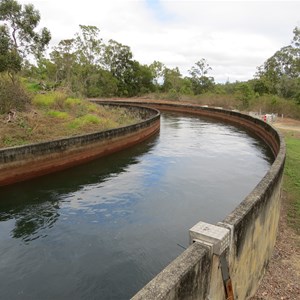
column 183, row 271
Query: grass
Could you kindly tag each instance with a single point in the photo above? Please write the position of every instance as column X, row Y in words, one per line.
column 31, row 86
column 292, row 179
column 49, row 100
column 56, row 115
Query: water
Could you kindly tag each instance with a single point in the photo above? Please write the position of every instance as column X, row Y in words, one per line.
column 104, row 229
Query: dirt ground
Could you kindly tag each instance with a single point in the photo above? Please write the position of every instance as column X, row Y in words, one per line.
column 282, row 278
column 286, row 124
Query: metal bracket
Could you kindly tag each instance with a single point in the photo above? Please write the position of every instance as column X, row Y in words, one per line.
column 218, row 238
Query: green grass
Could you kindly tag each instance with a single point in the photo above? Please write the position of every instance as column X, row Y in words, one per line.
column 292, row 180
column 44, row 100
column 56, row 100
column 14, row 141
column 58, row 114
column 71, row 102
column 83, row 121
column 31, row 86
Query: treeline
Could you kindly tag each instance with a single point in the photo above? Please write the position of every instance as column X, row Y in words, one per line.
column 86, row 65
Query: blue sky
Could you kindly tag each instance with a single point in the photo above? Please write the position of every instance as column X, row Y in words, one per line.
column 234, row 37
column 159, row 11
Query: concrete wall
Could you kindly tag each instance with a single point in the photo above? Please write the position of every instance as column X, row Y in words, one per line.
column 24, row 162
column 196, row 273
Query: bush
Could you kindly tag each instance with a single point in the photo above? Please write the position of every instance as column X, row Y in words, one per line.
column 12, row 95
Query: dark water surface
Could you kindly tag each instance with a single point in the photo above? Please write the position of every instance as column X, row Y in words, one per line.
column 104, row 229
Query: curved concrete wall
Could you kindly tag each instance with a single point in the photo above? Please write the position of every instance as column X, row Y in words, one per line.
column 24, row 162
column 198, row 272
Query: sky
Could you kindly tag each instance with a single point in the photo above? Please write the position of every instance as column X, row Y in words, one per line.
column 235, row 37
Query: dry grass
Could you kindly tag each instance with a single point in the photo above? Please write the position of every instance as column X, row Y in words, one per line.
column 49, row 119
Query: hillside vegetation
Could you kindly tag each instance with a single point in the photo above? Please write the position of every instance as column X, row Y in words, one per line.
column 55, row 115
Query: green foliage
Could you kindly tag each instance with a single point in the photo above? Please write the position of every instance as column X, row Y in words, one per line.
column 172, row 80
column 31, row 86
column 201, row 83
column 244, row 93
column 292, row 179
column 17, row 34
column 10, row 60
column 157, row 70
column 83, row 121
column 58, row 114
column 10, row 141
column 173, row 95
column 275, row 104
column 71, row 102
column 50, row 100
column 280, row 73
column 12, row 95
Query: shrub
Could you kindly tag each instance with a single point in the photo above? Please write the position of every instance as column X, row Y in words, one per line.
column 12, row 95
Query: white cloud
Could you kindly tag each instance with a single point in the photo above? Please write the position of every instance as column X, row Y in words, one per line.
column 234, row 36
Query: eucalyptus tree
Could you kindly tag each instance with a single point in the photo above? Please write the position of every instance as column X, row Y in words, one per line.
column 18, row 35
column 157, row 68
column 64, row 58
column 200, row 81
column 118, row 61
column 280, row 74
column 19, row 39
column 172, row 80
column 89, row 56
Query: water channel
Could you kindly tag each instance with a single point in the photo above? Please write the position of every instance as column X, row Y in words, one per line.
column 104, row 229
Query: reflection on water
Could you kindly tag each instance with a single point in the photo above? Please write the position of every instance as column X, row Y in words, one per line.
column 104, row 229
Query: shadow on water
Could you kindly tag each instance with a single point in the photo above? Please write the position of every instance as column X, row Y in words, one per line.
column 35, row 204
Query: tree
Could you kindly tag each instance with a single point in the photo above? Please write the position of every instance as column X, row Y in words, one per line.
column 138, row 79
column 200, row 81
column 118, row 61
column 63, row 57
column 18, row 36
column 172, row 80
column 157, row 69
column 89, row 46
column 10, row 61
column 280, row 73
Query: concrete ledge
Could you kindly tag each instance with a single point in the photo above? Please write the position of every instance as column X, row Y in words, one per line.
column 188, row 275
column 24, row 162
column 253, row 225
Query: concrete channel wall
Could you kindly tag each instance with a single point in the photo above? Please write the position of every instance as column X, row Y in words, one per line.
column 24, row 162
column 228, row 264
